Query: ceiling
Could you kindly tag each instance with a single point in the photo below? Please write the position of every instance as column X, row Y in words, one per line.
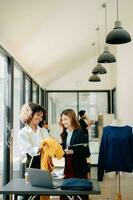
column 50, row 38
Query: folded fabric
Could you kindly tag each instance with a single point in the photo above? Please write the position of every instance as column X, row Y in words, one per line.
column 76, row 184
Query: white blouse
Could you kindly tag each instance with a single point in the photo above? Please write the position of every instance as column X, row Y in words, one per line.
column 29, row 141
column 69, row 136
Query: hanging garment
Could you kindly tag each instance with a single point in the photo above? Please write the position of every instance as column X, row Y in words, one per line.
column 116, row 150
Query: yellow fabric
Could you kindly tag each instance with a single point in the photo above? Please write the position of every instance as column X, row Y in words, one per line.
column 51, row 149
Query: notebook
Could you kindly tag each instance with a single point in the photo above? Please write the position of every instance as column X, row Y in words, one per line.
column 41, row 178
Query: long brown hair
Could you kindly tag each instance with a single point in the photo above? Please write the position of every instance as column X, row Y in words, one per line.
column 74, row 122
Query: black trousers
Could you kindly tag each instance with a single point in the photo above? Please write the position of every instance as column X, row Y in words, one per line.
column 35, row 162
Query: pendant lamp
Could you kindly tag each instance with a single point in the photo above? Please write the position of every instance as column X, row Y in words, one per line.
column 94, row 78
column 106, row 56
column 118, row 35
column 99, row 69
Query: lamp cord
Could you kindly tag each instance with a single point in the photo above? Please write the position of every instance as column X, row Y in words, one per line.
column 117, row 10
column 104, row 5
column 97, row 29
column 93, row 44
column 105, row 19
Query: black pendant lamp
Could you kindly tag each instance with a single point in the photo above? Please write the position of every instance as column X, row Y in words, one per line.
column 118, row 35
column 94, row 78
column 99, row 69
column 106, row 56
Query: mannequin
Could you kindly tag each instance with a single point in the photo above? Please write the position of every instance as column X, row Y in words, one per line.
column 116, row 143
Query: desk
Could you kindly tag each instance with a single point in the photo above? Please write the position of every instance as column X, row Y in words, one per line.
column 19, row 187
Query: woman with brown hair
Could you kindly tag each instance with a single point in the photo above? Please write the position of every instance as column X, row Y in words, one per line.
column 75, row 146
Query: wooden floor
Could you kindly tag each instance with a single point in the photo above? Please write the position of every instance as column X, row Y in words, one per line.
column 110, row 186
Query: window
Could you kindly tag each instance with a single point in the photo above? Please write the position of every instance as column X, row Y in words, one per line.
column 94, row 103
column 35, row 93
column 41, row 96
column 27, row 89
column 3, row 65
column 16, row 120
column 57, row 102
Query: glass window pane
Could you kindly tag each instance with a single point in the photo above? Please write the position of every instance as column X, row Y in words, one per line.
column 35, row 93
column 41, row 96
column 3, row 66
column 94, row 103
column 57, row 102
column 16, row 121
column 27, row 89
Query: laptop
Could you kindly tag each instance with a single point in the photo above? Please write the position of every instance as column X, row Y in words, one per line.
column 41, row 178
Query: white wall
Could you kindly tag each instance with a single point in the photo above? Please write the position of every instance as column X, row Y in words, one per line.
column 125, row 83
column 78, row 79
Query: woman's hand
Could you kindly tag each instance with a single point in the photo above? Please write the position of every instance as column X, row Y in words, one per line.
column 40, row 150
column 69, row 151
